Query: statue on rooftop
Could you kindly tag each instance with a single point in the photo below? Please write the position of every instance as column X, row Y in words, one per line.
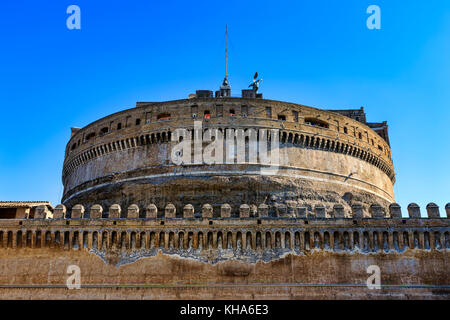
column 255, row 84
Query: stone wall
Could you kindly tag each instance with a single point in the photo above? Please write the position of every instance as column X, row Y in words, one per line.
column 297, row 255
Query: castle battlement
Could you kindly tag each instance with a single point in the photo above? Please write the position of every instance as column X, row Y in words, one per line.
column 254, row 234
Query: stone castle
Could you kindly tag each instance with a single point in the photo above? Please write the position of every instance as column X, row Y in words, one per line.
column 141, row 226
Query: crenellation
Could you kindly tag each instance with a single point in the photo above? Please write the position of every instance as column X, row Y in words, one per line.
column 244, row 211
column 114, row 211
column 395, row 211
column 133, row 212
column 170, row 211
column 414, row 210
column 207, row 211
column 225, row 210
column 188, row 211
column 357, row 211
column 319, row 212
column 433, row 210
column 151, row 212
column 59, row 212
column 338, row 211
column 96, row 211
column 263, row 210
column 376, row 211
column 77, row 211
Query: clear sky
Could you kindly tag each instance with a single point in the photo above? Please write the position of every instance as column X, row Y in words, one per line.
column 316, row 52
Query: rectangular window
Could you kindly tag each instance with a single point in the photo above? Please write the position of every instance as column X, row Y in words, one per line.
column 295, row 114
column 281, row 117
column 148, row 117
column 269, row 112
column 219, row 110
column 244, row 110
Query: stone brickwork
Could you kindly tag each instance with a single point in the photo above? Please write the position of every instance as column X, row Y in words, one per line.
column 326, row 158
column 284, row 257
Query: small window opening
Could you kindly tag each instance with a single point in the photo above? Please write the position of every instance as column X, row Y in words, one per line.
column 104, row 131
column 90, row 136
column 163, row 116
column 316, row 122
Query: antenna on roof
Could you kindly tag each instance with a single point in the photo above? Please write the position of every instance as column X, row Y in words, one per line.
column 225, row 89
column 226, row 51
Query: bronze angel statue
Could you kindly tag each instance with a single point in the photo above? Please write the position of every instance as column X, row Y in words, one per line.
column 255, row 84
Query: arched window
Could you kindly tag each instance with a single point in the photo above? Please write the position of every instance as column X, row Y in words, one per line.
column 119, row 126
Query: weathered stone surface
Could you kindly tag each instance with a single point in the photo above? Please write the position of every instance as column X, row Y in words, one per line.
column 244, row 211
column 319, row 211
column 156, row 269
column 433, row 210
column 301, row 253
column 40, row 212
column 136, row 160
column 170, row 211
column 207, row 211
column 77, row 211
column 395, row 211
column 338, row 211
column 263, row 210
column 151, row 212
column 376, row 211
column 133, row 212
column 96, row 211
column 59, row 212
column 357, row 211
column 188, row 211
column 225, row 210
column 281, row 210
column 301, row 211
column 114, row 211
column 413, row 210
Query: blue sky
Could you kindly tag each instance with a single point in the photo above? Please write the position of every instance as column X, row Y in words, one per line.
column 319, row 53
